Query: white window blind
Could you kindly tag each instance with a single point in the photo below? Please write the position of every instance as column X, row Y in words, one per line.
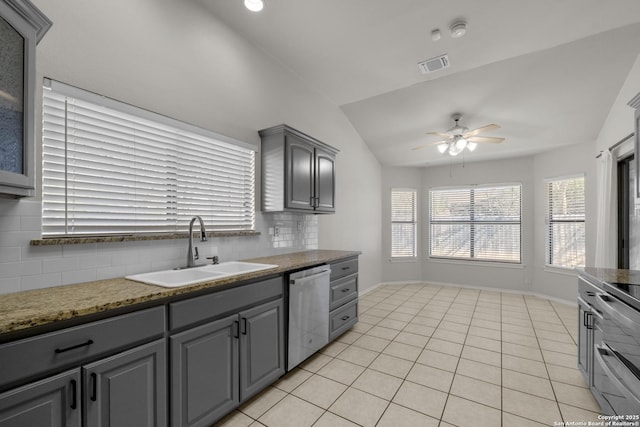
column 565, row 222
column 403, row 223
column 480, row 223
column 110, row 168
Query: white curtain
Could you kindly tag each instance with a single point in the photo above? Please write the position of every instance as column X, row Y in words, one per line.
column 606, row 238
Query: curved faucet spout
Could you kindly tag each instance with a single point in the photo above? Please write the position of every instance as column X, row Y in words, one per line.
column 192, row 252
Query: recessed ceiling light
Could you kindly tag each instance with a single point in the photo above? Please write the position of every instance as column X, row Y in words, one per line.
column 254, row 5
column 458, row 29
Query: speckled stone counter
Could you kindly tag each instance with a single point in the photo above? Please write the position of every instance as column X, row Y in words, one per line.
column 22, row 310
column 612, row 275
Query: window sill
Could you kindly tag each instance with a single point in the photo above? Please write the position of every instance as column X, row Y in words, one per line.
column 405, row 259
column 490, row 264
column 133, row 238
column 565, row 271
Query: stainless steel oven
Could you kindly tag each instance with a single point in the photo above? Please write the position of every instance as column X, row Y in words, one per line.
column 616, row 357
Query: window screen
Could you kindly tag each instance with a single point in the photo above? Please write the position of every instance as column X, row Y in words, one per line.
column 480, row 223
column 565, row 222
column 110, row 168
column 403, row 223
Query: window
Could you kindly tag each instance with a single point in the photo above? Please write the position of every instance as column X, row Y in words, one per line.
column 403, row 223
column 565, row 222
column 110, row 168
column 479, row 223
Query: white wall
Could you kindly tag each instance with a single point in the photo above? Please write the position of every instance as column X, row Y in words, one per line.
column 500, row 276
column 406, row 270
column 176, row 59
column 531, row 171
column 570, row 160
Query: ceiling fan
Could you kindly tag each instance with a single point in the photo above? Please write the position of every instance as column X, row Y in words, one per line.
column 460, row 137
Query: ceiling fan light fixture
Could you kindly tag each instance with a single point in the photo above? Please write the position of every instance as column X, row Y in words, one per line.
column 471, row 146
column 454, row 150
column 461, row 143
column 254, row 5
column 442, row 148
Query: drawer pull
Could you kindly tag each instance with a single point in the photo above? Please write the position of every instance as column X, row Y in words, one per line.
column 346, row 290
column 236, row 328
column 346, row 268
column 345, row 317
column 74, row 394
column 73, row 347
column 94, row 387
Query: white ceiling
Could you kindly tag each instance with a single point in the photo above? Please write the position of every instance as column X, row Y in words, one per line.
column 547, row 71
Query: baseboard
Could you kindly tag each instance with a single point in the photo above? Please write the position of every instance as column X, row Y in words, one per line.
column 482, row 288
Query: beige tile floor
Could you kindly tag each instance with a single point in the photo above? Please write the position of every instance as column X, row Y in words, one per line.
column 424, row 355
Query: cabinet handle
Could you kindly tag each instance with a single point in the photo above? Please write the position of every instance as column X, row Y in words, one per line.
column 244, row 326
column 346, row 268
column 346, row 290
column 345, row 317
column 74, row 394
column 585, row 320
column 94, row 387
column 73, row 347
column 236, row 329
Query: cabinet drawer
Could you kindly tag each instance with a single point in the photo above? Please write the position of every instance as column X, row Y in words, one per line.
column 342, row 319
column 32, row 356
column 344, row 268
column 210, row 306
column 343, row 290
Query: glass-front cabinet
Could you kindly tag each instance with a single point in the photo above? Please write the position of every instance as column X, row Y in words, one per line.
column 22, row 26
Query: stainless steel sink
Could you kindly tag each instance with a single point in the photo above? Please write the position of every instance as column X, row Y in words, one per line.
column 189, row 276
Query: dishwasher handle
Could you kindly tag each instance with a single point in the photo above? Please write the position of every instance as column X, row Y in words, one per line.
column 311, row 278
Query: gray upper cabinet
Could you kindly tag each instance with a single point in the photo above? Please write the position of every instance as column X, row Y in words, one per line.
column 635, row 103
column 298, row 172
column 22, row 26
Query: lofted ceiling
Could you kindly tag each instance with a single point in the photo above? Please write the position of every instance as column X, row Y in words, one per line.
column 546, row 71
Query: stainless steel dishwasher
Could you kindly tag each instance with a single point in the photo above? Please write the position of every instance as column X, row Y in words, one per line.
column 308, row 313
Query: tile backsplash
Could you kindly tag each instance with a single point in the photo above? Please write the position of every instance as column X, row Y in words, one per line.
column 24, row 267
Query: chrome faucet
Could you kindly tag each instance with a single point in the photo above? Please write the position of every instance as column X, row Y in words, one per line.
column 192, row 253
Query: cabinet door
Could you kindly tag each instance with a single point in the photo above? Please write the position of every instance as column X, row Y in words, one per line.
column 53, row 402
column 261, row 347
column 128, row 389
column 584, row 339
column 325, row 186
column 299, row 174
column 204, row 373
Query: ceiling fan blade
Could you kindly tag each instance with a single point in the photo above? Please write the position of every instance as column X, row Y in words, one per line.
column 420, row 147
column 440, row 134
column 486, row 128
column 485, row 139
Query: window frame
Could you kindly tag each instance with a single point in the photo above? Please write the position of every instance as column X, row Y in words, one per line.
column 413, row 222
column 231, row 184
column 549, row 222
column 472, row 222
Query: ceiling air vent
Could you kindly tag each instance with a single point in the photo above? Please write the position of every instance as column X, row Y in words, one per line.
column 434, row 64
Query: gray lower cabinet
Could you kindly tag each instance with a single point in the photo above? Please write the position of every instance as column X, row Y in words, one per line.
column 204, row 373
column 261, row 347
column 52, row 402
column 343, row 297
column 217, row 365
column 128, row 389
column 110, row 372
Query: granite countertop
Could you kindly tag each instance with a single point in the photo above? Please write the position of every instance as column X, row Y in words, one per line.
column 22, row 310
column 612, row 275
